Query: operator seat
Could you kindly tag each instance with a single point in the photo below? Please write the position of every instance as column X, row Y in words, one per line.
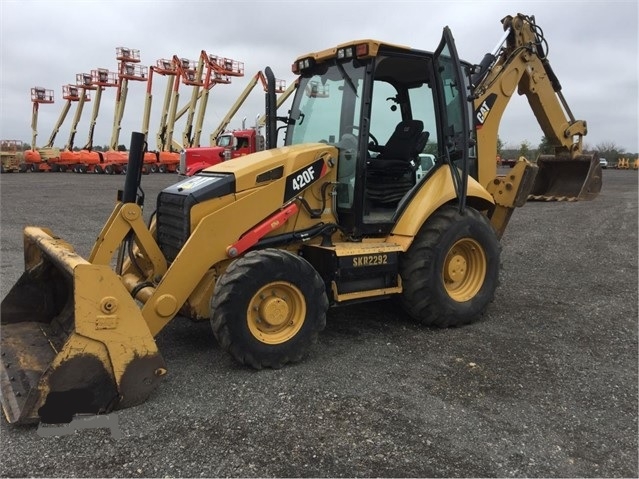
column 391, row 174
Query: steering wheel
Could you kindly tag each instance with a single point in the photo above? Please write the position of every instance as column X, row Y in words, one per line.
column 372, row 144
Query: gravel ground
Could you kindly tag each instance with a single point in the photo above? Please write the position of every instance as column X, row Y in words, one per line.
column 544, row 386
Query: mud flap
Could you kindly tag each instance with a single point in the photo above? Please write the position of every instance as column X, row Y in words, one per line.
column 73, row 340
column 561, row 178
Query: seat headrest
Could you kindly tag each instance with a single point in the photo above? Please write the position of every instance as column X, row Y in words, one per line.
column 409, row 128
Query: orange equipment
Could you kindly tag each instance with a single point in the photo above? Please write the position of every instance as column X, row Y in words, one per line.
column 32, row 160
column 84, row 83
column 85, row 159
column 71, row 93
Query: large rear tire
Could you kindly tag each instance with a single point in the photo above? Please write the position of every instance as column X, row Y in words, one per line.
column 451, row 270
column 268, row 308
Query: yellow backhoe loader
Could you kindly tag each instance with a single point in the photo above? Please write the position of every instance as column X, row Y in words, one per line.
column 386, row 188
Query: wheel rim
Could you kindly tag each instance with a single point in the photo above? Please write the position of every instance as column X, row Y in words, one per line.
column 276, row 312
column 464, row 269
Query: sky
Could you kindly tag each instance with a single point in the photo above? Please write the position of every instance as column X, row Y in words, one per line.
column 593, row 49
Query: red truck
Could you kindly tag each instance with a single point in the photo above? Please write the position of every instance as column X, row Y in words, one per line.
column 228, row 146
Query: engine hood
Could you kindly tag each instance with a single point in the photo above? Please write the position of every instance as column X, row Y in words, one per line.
column 259, row 169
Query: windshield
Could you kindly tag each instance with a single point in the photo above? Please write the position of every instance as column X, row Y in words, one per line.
column 327, row 103
column 224, row 140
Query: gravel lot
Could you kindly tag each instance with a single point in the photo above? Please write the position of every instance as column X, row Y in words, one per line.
column 544, row 386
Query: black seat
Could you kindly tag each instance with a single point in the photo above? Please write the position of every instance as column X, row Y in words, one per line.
column 391, row 174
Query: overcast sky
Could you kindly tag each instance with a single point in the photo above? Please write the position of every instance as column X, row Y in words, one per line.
column 593, row 49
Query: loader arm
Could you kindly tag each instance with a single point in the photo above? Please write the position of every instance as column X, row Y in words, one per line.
column 521, row 64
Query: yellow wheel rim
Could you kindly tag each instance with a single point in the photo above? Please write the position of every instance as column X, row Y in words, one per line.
column 276, row 312
column 464, row 270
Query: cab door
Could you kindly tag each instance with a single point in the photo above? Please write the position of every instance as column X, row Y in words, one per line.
column 453, row 110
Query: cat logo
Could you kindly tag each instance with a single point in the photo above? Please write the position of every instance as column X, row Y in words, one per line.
column 481, row 114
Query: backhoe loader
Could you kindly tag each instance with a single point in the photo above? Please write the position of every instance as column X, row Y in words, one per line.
column 352, row 208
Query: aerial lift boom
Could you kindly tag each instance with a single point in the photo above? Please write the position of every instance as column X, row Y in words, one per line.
column 219, row 70
column 193, row 77
column 129, row 68
column 71, row 94
column 259, row 76
column 85, row 82
column 101, row 78
column 32, row 158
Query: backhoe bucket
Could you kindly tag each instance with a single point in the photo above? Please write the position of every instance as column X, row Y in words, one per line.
column 561, row 178
column 73, row 340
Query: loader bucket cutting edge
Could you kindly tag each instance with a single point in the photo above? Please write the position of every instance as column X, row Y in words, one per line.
column 72, row 339
column 567, row 179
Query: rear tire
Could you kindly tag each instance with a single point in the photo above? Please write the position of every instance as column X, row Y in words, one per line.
column 97, row 169
column 268, row 308
column 451, row 270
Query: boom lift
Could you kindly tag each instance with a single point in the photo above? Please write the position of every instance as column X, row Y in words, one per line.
column 156, row 159
column 85, row 159
column 32, row 159
column 179, row 70
column 280, row 87
column 84, row 82
column 168, row 156
column 129, row 68
column 191, row 75
column 236, row 143
column 219, row 70
column 71, row 93
column 347, row 211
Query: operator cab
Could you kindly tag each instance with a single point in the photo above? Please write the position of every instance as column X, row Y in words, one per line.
column 395, row 114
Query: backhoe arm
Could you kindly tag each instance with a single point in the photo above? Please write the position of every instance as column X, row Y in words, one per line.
column 522, row 64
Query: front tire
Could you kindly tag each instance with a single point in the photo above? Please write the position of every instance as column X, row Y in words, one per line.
column 451, row 270
column 268, row 308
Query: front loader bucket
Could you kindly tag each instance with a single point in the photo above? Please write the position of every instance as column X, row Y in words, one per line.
column 561, row 178
column 73, row 340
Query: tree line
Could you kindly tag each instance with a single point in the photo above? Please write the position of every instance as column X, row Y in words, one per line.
column 606, row 149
